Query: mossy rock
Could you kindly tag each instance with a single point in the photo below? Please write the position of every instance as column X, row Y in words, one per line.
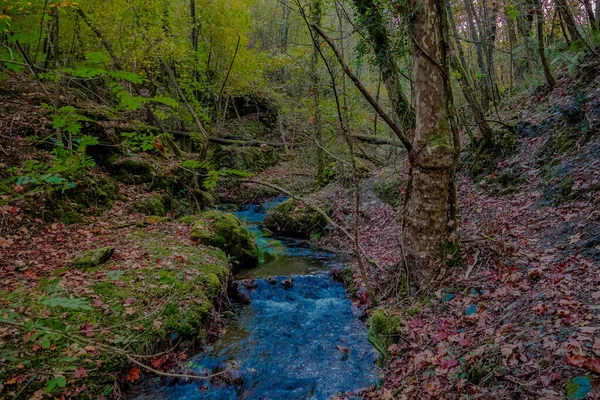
column 155, row 204
column 483, row 158
column 384, row 331
column 150, row 308
column 131, row 170
column 327, row 176
column 93, row 258
column 389, row 190
column 504, row 182
column 293, row 219
column 91, row 196
column 227, row 232
column 255, row 159
column 347, row 276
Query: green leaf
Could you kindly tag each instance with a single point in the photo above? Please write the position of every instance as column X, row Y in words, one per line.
column 96, row 57
column 127, row 76
column 57, row 301
column 58, row 382
column 45, row 343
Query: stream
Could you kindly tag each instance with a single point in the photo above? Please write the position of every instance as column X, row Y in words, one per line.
column 299, row 338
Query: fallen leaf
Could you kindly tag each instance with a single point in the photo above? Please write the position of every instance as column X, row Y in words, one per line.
column 134, row 374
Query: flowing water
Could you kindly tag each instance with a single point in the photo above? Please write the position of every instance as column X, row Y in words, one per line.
column 299, row 338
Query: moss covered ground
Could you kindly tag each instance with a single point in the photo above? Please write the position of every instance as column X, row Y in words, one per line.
column 70, row 326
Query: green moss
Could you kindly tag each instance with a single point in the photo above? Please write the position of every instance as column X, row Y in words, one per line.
column 151, row 205
column 137, row 309
column 93, row 258
column 442, row 138
column 91, row 196
column 293, row 219
column 383, row 331
column 131, row 170
column 255, row 159
column 226, row 231
column 347, row 275
column 483, row 158
column 388, row 189
column 327, row 175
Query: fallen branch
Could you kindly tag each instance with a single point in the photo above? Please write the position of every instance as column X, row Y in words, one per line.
column 375, row 140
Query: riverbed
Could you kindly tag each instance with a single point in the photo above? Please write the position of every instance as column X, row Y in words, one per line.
column 300, row 337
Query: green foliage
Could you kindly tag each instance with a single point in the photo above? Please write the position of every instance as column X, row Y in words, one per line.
column 383, row 331
column 54, row 300
column 139, row 141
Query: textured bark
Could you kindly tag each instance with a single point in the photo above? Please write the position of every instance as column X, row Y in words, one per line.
column 430, row 210
column 315, row 18
column 372, row 19
column 540, row 40
column 481, row 84
column 525, row 22
column 590, row 13
column 489, row 38
column 460, row 64
column 597, row 14
column 568, row 19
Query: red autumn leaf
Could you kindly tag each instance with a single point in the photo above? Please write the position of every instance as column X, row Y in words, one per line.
column 593, row 364
column 80, row 373
column 87, row 329
column 15, row 379
column 159, row 361
column 449, row 363
column 134, row 374
column 576, row 360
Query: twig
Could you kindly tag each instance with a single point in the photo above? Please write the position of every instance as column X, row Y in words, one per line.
column 112, row 349
column 388, row 120
column 184, row 376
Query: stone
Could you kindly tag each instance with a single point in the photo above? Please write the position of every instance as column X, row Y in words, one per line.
column 93, row 258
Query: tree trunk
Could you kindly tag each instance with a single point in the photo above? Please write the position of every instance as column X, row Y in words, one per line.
column 390, row 75
column 489, row 39
column 516, row 70
column 597, row 14
column 563, row 29
column 590, row 13
column 284, row 27
column 567, row 16
column 525, row 20
column 316, row 12
column 481, row 83
column 430, row 210
column 465, row 84
column 540, row 40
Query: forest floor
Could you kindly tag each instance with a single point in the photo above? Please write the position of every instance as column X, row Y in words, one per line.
column 521, row 318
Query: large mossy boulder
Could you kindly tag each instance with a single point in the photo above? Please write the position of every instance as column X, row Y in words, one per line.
column 255, row 159
column 293, row 219
column 93, row 258
column 227, row 232
column 91, row 197
column 155, row 204
column 131, row 170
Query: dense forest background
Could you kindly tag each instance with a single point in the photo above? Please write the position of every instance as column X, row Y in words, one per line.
column 450, row 147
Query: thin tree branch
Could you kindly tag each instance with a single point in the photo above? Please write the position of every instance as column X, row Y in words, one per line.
column 389, row 121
